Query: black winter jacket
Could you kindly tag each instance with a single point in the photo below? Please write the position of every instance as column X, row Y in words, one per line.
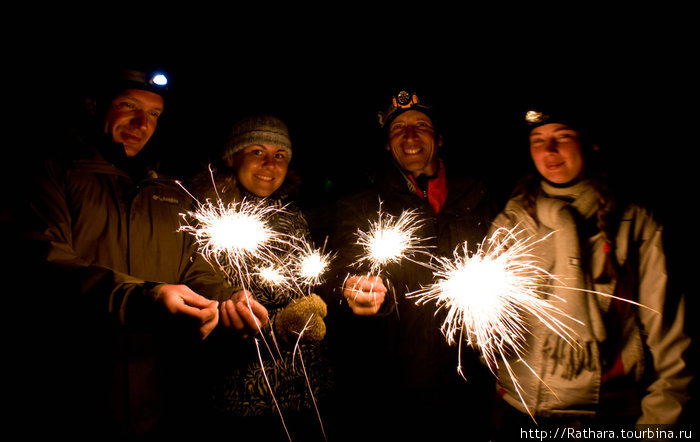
column 399, row 358
column 103, row 234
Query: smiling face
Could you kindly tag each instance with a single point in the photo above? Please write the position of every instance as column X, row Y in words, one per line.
column 413, row 143
column 260, row 168
column 132, row 118
column 556, row 151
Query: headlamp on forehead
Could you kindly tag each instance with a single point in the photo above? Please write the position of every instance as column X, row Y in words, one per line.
column 574, row 116
column 154, row 81
column 159, row 79
column 400, row 103
column 404, row 100
column 535, row 117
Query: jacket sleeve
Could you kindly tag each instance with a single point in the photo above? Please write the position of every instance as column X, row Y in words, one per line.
column 663, row 329
column 48, row 235
column 514, row 218
column 502, row 221
column 202, row 277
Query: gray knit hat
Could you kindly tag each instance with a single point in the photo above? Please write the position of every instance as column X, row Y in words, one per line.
column 259, row 129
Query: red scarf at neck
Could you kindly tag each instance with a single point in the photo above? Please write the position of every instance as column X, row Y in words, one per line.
column 437, row 188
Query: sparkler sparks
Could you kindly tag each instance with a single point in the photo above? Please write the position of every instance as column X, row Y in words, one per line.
column 389, row 240
column 303, row 268
column 488, row 295
column 238, row 239
column 311, row 265
column 272, row 275
column 232, row 235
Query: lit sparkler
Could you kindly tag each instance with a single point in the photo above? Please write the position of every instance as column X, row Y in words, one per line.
column 312, row 266
column 310, row 263
column 489, row 294
column 231, row 235
column 235, row 236
column 486, row 294
column 272, row 275
column 389, row 240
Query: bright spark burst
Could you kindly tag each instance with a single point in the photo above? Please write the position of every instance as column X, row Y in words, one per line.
column 230, row 235
column 311, row 265
column 488, row 295
column 236, row 234
column 389, row 240
column 272, row 275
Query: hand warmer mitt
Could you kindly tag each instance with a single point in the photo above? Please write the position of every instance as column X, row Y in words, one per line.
column 302, row 317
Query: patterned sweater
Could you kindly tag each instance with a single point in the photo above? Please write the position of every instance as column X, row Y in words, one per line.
column 250, row 375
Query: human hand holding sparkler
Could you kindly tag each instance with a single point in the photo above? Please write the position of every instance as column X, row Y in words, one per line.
column 365, row 294
column 388, row 240
column 244, row 313
column 180, row 299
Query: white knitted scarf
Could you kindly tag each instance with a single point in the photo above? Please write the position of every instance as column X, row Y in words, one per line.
column 559, row 209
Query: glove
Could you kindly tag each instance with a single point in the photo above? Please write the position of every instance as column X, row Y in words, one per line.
column 290, row 321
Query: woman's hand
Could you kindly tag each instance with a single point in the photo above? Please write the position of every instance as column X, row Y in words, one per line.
column 243, row 313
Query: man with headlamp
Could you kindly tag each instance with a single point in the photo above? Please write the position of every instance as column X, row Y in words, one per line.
column 395, row 362
column 123, row 285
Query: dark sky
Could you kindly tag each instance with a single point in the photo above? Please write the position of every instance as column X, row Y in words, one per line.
column 329, row 95
column 328, row 85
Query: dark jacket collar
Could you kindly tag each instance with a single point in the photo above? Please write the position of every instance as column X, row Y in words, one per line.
column 97, row 149
column 388, row 177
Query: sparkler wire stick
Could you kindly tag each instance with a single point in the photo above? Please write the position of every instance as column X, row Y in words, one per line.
column 267, row 381
column 297, row 348
column 229, row 236
column 389, row 240
column 234, row 235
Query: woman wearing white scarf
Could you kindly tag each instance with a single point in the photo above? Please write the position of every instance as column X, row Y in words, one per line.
column 627, row 364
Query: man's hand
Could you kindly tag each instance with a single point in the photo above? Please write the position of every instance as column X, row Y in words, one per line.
column 179, row 299
column 365, row 294
column 244, row 313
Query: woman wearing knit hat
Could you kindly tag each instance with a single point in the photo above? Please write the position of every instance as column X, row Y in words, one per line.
column 626, row 365
column 259, row 150
column 252, row 385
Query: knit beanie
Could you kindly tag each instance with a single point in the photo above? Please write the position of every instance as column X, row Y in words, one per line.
column 259, row 129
